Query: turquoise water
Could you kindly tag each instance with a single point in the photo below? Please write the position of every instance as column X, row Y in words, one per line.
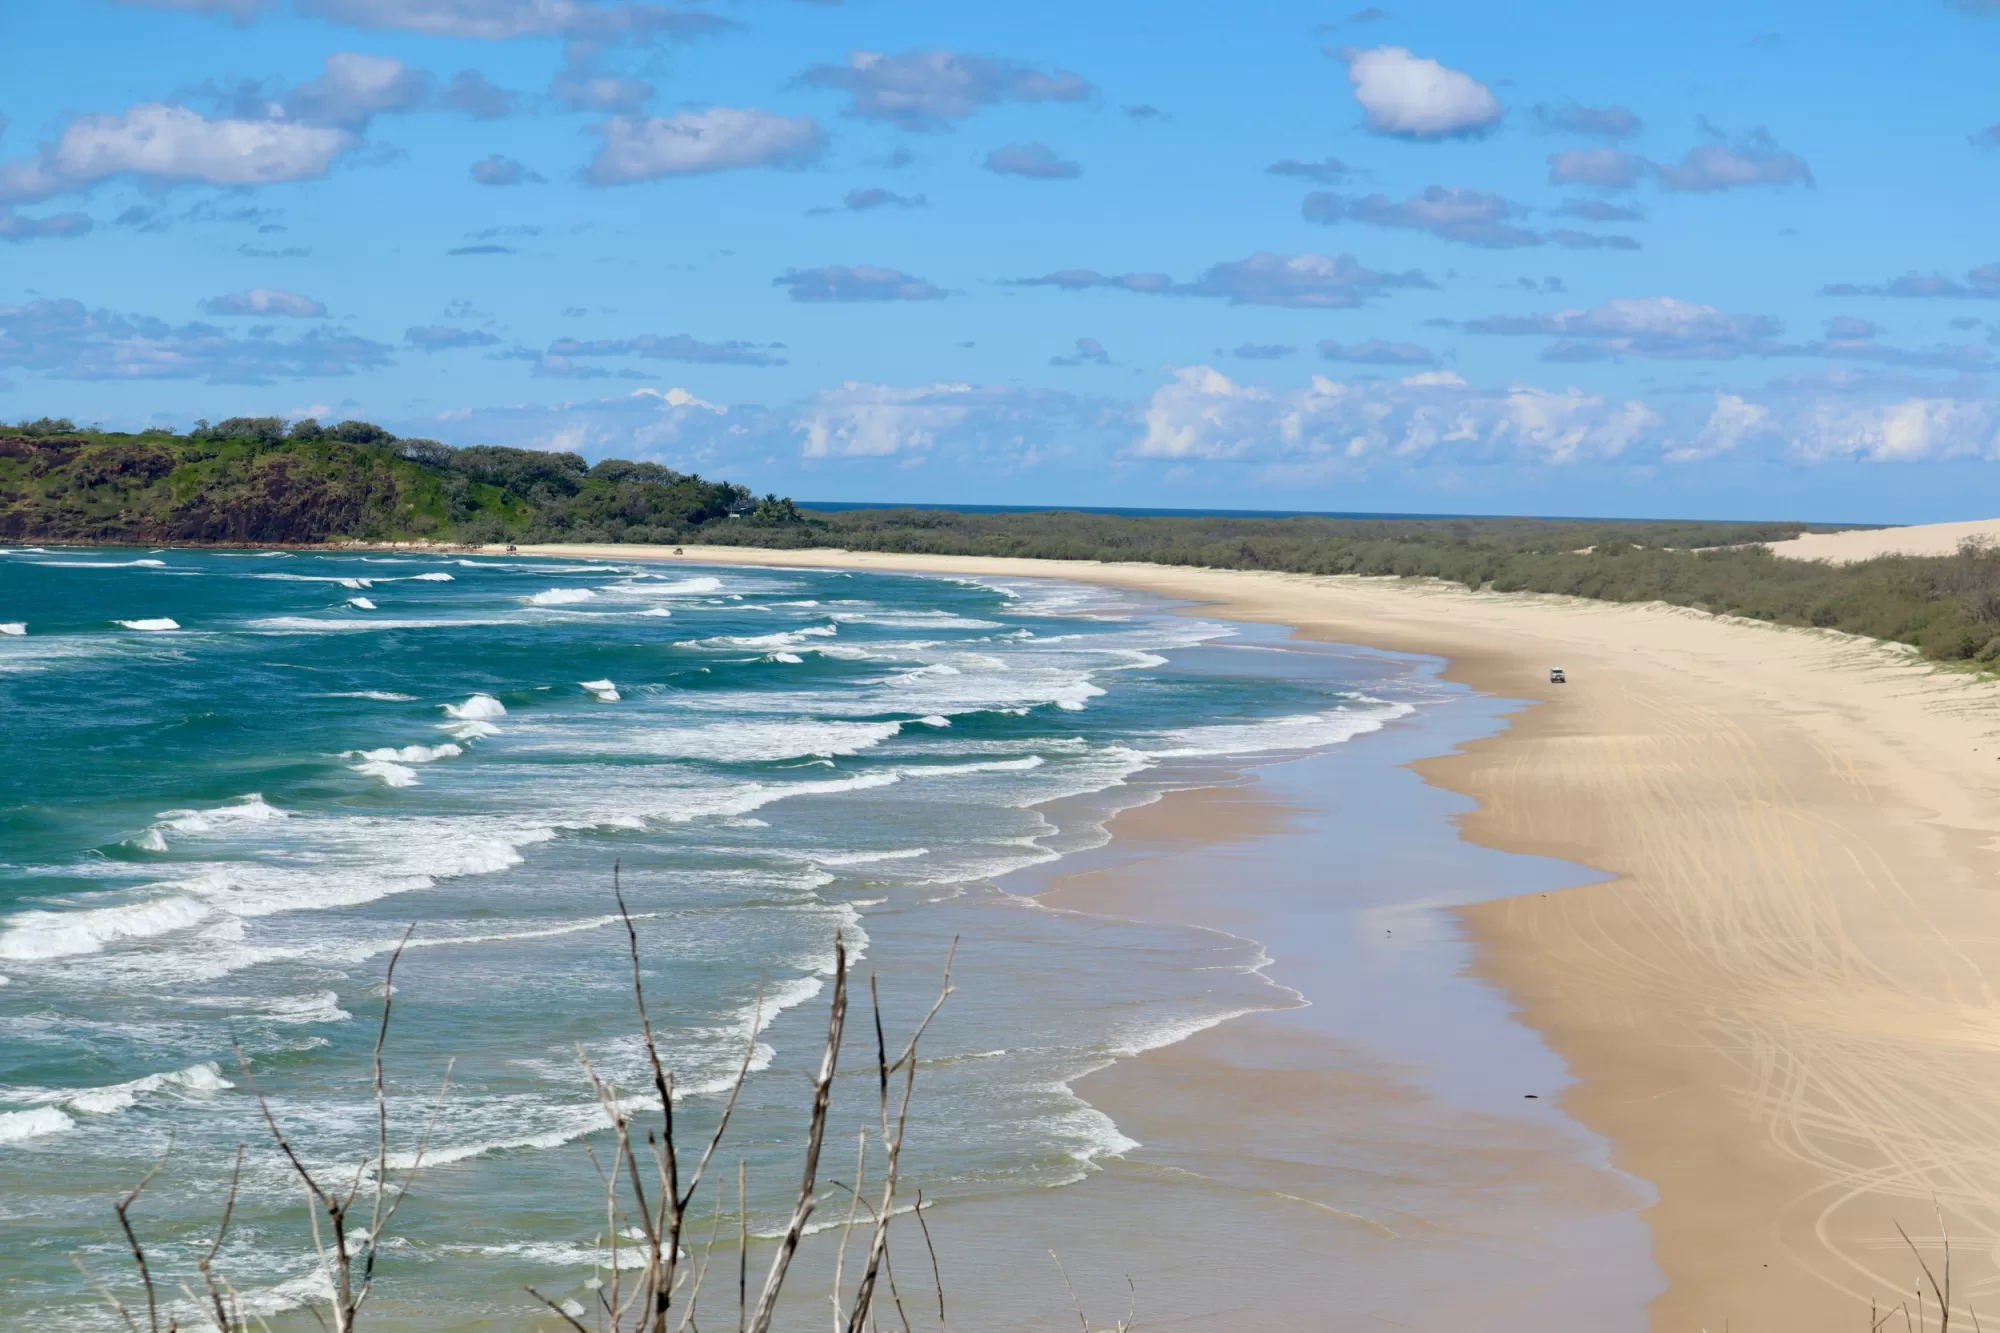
column 234, row 780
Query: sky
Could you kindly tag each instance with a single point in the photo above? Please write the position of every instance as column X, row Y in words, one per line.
column 1729, row 260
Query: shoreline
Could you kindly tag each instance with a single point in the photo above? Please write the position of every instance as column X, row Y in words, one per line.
column 1776, row 1006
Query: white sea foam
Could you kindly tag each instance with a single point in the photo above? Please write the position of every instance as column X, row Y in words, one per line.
column 743, row 741
column 342, row 580
column 408, row 754
column 604, row 690
column 790, row 659
column 317, row 625
column 656, row 611
column 250, row 809
column 156, row 623
column 435, row 576
column 361, row 603
column 18, row 1125
column 392, row 775
column 198, row 1079
column 561, row 597
column 468, row 731
column 13, row 627
column 478, row 708
column 682, row 587
column 1306, row 731
column 34, row 935
column 935, row 721
column 100, row 564
column 382, row 696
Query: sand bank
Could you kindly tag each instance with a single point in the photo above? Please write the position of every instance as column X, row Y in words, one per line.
column 1781, row 1009
column 1844, row 548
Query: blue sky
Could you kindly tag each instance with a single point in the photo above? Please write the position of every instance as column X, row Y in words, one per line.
column 1731, row 260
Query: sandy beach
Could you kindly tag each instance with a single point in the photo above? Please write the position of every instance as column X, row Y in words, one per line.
column 1778, row 1005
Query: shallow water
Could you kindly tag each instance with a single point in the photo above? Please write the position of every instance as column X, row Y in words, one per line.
column 235, row 780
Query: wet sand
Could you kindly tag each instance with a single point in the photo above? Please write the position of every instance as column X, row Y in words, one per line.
column 1778, row 1006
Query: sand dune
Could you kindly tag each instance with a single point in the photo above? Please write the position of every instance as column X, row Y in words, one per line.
column 1783, row 1009
column 1841, row 548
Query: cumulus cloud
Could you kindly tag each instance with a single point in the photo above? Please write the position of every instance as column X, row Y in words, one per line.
column 671, row 347
column 66, row 340
column 869, row 199
column 1982, row 284
column 1611, row 168
column 499, row 170
column 505, row 20
column 477, row 96
column 1471, row 217
column 1657, row 326
column 443, row 337
column 353, row 88
column 168, row 145
column 1596, row 122
column 1571, row 239
column 926, row 91
column 1011, row 426
column 1412, row 97
column 1327, row 171
column 1376, row 352
column 582, row 84
column 1202, row 414
column 56, row 226
column 1089, row 352
column 265, row 301
column 1756, row 159
column 1600, row 210
column 1731, row 421
column 1909, row 430
column 862, row 282
column 1309, row 281
column 1036, row 161
column 241, row 11
column 642, row 148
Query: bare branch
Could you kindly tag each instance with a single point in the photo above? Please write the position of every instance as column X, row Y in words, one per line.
column 822, row 1094
column 124, row 1209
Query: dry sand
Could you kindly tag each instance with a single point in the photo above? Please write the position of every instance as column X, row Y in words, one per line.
column 1781, row 1011
column 1842, row 548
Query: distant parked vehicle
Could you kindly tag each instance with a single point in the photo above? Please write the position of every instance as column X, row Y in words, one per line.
column 1556, row 676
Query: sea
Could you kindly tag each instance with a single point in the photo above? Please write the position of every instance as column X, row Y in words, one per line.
column 235, row 783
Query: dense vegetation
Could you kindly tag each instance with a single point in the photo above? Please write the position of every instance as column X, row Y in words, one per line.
column 1947, row 606
column 255, row 479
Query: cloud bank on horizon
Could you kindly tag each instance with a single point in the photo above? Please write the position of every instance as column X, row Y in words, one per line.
column 1417, row 260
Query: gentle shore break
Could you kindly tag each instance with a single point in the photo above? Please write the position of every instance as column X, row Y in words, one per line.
column 1782, row 1009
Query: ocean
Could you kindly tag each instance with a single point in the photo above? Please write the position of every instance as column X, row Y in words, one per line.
column 235, row 780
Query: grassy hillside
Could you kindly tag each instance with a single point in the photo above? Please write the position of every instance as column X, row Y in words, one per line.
column 254, row 479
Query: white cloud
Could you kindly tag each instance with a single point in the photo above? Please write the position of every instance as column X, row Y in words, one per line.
column 1654, row 326
column 1910, row 430
column 641, row 148
column 354, row 87
column 872, row 420
column 1330, row 425
column 1417, row 98
column 504, row 20
column 927, row 90
column 265, row 301
column 1202, row 413
column 242, row 11
column 1732, row 421
column 171, row 145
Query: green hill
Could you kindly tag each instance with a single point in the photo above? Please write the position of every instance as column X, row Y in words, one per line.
column 254, row 479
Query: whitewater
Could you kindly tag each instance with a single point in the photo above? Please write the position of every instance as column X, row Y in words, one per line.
column 232, row 787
